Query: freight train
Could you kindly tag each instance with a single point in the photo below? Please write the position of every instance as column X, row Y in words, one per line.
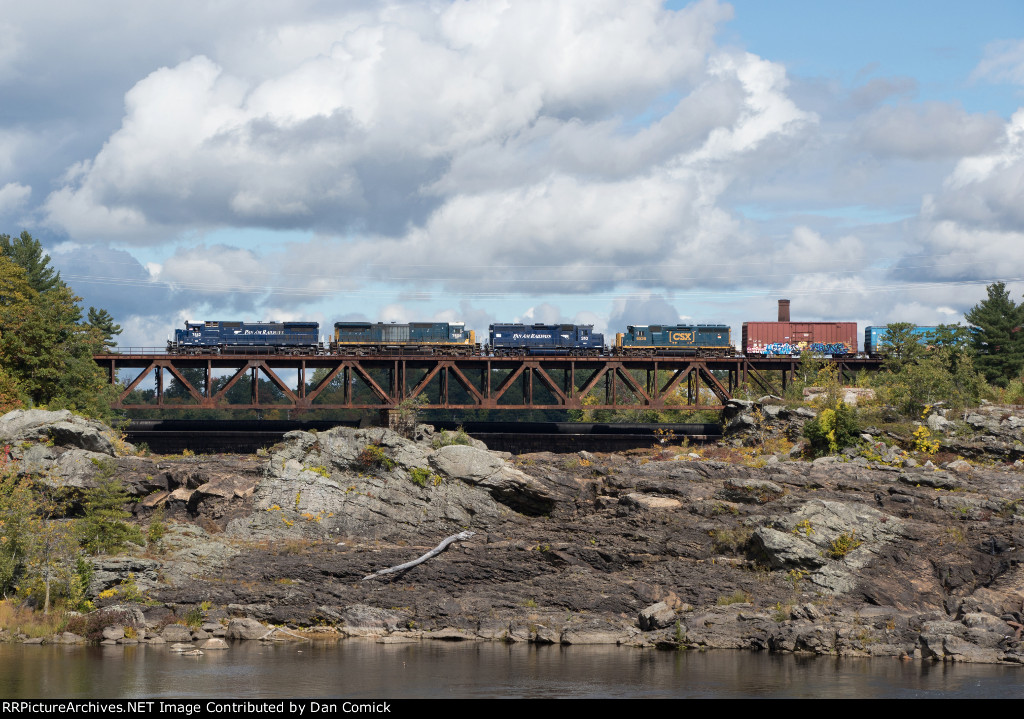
column 783, row 338
column 246, row 338
column 510, row 340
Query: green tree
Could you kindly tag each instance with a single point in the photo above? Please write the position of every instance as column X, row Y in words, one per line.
column 27, row 253
column 900, row 345
column 997, row 337
column 104, row 330
column 43, row 348
column 946, row 374
column 103, row 529
column 50, row 560
column 956, row 336
column 17, row 510
column 52, row 550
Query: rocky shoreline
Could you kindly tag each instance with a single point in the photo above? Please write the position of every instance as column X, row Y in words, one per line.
column 878, row 552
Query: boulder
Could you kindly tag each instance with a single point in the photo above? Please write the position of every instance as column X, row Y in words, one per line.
column 506, row 484
column 245, row 629
column 176, row 633
column 938, row 423
column 784, row 550
column 114, row 633
column 214, row 643
column 657, row 616
column 62, row 428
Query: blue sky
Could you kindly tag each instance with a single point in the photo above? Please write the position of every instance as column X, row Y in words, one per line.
column 937, row 44
column 600, row 162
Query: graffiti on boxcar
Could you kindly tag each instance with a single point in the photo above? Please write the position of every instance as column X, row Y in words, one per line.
column 787, row 349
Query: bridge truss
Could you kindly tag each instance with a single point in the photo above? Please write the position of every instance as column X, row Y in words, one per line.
column 382, row 382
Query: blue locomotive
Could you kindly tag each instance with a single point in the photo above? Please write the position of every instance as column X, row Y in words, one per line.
column 876, row 342
column 509, row 340
column 675, row 340
column 215, row 337
column 428, row 338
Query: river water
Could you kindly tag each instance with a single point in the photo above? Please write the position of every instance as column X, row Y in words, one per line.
column 364, row 669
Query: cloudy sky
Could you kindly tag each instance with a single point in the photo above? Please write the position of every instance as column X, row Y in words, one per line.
column 551, row 160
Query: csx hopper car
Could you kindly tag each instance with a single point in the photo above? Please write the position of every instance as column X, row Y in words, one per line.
column 675, row 340
column 511, row 340
column 424, row 338
column 216, row 337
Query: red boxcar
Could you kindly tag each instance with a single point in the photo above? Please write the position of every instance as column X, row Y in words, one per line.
column 789, row 339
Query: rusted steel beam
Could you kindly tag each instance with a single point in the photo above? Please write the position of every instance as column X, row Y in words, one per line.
column 506, row 383
column 592, row 382
column 670, row 387
column 326, row 382
column 634, row 385
column 385, row 398
column 222, row 393
column 563, row 393
column 169, row 366
column 422, row 384
column 135, row 382
column 466, row 384
column 550, row 383
column 280, row 384
column 712, row 382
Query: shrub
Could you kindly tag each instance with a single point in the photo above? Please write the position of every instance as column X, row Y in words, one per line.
column 373, row 457
column 843, row 545
column 157, row 529
column 730, row 541
column 446, row 439
column 832, row 430
column 420, row 476
column 193, row 618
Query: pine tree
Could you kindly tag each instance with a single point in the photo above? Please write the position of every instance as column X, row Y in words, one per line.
column 27, row 253
column 998, row 336
column 900, row 345
column 103, row 527
column 103, row 327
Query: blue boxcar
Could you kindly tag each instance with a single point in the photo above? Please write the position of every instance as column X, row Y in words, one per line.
column 696, row 340
column 875, row 342
column 540, row 339
column 246, row 337
column 365, row 338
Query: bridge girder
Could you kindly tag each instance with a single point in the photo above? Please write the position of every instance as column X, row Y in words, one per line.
column 383, row 382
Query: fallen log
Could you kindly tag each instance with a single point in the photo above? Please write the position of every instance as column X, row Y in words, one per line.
column 432, row 553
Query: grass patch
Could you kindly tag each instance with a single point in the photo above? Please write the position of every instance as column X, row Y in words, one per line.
column 737, row 597
column 17, row 619
column 731, row 541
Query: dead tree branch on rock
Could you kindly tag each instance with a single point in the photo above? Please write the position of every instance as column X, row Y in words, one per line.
column 461, row 536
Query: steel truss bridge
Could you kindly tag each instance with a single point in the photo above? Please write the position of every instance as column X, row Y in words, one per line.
column 382, row 382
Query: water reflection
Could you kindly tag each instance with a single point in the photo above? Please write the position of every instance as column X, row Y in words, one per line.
column 364, row 669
